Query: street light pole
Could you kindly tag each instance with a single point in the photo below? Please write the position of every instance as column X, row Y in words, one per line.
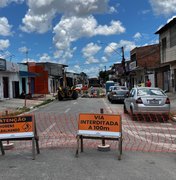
column 123, row 61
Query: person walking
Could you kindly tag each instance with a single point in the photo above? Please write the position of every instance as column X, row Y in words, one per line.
column 148, row 83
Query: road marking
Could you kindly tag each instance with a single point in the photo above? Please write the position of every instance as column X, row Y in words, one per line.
column 107, row 107
column 47, row 130
column 75, row 103
column 67, row 110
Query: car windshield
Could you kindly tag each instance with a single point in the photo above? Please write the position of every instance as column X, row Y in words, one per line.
column 148, row 92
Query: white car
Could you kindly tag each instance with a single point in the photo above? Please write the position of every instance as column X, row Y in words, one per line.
column 147, row 101
column 111, row 88
column 118, row 94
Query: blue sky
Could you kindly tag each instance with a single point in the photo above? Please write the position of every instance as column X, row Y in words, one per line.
column 86, row 35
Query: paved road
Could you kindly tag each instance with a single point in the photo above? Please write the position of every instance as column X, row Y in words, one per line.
column 60, row 164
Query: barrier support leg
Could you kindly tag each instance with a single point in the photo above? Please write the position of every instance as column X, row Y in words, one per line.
column 37, row 145
column 81, row 144
column 120, row 148
column 77, row 150
column 103, row 142
column 33, row 148
column 2, row 149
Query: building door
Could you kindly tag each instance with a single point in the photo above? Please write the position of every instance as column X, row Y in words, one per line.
column 24, row 85
column 32, row 86
column 166, row 81
column 6, row 87
column 15, row 87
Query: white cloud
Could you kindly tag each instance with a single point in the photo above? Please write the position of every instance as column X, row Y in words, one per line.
column 4, row 3
column 104, row 59
column 137, row 36
column 165, row 7
column 41, row 12
column 91, row 60
column 110, row 48
column 114, row 28
column 70, row 29
column 91, row 71
column 90, row 50
column 112, row 9
column 37, row 23
column 23, row 49
column 45, row 58
column 5, row 28
column 69, row 7
column 76, row 21
column 4, row 44
column 128, row 45
column 113, row 47
column 146, row 11
column 62, row 56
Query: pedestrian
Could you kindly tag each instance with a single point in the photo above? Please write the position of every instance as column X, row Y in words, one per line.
column 148, row 83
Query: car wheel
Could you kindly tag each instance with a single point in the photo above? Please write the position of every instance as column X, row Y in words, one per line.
column 124, row 109
column 109, row 98
column 133, row 116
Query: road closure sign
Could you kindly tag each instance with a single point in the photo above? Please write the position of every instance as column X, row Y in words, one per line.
column 99, row 125
column 16, row 127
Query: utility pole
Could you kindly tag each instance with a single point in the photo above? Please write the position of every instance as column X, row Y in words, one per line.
column 123, row 61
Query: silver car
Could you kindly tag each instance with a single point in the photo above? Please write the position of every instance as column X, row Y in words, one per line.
column 147, row 100
column 118, row 94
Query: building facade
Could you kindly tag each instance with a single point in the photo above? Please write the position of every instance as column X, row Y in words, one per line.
column 47, row 79
column 143, row 64
column 9, row 79
column 167, row 41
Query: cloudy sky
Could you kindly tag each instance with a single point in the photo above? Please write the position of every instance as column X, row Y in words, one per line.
column 86, row 35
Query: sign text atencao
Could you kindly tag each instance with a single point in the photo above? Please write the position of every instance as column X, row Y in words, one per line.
column 18, row 128
column 99, row 126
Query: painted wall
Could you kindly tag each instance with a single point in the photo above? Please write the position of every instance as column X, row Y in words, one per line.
column 11, row 77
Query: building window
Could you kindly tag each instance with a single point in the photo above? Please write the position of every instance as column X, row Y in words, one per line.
column 173, row 36
column 163, row 44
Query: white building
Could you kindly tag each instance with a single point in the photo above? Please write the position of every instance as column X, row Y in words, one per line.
column 9, row 79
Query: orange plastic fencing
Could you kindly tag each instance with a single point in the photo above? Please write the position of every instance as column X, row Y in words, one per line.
column 142, row 133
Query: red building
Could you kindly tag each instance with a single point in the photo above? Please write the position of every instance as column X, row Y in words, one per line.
column 47, row 79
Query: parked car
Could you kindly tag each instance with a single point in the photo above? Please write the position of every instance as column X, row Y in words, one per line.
column 110, row 89
column 147, row 101
column 117, row 93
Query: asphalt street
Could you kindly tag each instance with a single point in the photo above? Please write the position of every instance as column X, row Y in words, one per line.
column 61, row 163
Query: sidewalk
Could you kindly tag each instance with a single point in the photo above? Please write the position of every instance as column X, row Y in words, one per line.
column 15, row 104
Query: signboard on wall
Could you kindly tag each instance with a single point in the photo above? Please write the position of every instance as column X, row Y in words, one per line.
column 132, row 65
column 2, row 64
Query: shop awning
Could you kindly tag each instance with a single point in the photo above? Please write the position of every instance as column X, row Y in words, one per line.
column 27, row 74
